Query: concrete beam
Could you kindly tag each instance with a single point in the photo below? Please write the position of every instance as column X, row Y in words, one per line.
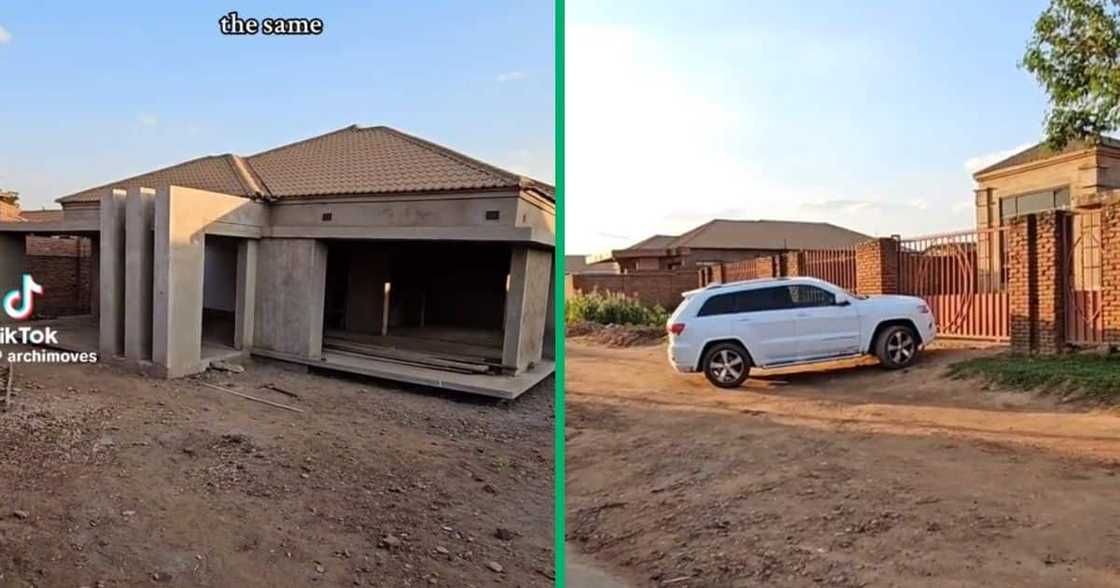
column 139, row 251
column 291, row 288
column 526, row 307
column 246, row 308
column 112, row 269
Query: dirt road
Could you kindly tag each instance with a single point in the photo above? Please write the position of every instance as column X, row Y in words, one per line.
column 111, row 479
column 846, row 475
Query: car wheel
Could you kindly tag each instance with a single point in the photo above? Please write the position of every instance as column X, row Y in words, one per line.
column 727, row 365
column 897, row 347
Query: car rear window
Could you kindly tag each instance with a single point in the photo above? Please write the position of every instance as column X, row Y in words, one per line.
column 758, row 300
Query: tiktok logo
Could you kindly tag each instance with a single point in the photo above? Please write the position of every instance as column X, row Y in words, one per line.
column 23, row 297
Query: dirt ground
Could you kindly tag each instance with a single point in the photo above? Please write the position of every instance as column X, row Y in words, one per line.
column 844, row 475
column 110, row 479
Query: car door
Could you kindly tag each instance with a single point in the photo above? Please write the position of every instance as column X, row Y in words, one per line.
column 825, row 328
column 765, row 323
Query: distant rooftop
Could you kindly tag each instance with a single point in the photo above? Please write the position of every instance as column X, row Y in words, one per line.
column 1043, row 151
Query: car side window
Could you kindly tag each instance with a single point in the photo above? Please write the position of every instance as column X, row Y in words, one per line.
column 764, row 299
column 805, row 296
column 718, row 304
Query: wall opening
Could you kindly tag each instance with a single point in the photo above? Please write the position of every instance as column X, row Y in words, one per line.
column 219, row 292
column 437, row 304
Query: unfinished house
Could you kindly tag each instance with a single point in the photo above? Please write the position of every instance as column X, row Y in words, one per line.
column 364, row 250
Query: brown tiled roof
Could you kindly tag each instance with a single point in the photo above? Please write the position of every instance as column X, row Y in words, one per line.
column 215, row 173
column 352, row 160
column 767, row 234
column 1043, row 151
column 654, row 242
column 577, row 264
column 41, row 216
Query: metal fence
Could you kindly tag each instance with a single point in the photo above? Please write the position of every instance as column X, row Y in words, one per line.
column 831, row 265
column 963, row 278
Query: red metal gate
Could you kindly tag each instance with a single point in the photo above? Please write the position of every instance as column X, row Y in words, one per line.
column 1084, row 325
column 831, row 265
column 963, row 278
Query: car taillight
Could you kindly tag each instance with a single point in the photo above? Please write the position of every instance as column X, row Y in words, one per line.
column 923, row 309
column 676, row 328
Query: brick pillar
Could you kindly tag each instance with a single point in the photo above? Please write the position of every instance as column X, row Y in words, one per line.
column 1020, row 283
column 764, row 267
column 791, row 262
column 877, row 266
column 1110, row 272
column 1050, row 237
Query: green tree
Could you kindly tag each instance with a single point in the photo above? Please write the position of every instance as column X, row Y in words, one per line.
column 1075, row 55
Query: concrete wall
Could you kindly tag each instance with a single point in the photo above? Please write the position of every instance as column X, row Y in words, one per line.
column 112, row 274
column 183, row 218
column 291, row 282
column 220, row 274
column 419, row 217
column 526, row 307
column 139, row 264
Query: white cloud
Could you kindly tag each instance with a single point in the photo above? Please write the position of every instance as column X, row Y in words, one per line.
column 510, row 76
column 5, row 36
column 147, row 119
column 979, row 162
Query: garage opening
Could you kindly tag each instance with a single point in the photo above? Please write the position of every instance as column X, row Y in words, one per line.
column 432, row 304
column 219, row 295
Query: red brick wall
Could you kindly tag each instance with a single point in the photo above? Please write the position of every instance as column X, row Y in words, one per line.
column 1110, row 272
column 664, row 288
column 1050, row 235
column 877, row 266
column 1020, row 268
column 63, row 266
column 791, row 263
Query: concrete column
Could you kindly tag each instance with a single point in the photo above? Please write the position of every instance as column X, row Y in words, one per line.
column 526, row 307
column 549, row 351
column 139, row 250
column 95, row 276
column 291, row 288
column 180, row 256
column 246, row 294
column 111, row 276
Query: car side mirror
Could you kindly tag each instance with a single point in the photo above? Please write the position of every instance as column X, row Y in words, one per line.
column 843, row 302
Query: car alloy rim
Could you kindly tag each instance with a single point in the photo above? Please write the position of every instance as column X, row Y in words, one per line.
column 727, row 366
column 900, row 346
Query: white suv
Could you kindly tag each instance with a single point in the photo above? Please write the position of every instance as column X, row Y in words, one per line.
column 725, row 329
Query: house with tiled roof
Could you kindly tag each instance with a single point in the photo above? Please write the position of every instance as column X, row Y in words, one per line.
column 724, row 240
column 364, row 250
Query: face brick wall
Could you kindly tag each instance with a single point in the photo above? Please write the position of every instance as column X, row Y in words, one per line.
column 1110, row 272
column 663, row 288
column 877, row 267
column 1020, row 268
column 64, row 267
column 1050, row 235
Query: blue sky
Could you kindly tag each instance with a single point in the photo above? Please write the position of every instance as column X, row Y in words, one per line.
column 98, row 91
column 864, row 114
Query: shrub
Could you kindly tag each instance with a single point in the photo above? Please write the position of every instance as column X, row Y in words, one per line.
column 607, row 309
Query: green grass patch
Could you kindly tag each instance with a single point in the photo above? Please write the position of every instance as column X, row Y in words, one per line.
column 1094, row 376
